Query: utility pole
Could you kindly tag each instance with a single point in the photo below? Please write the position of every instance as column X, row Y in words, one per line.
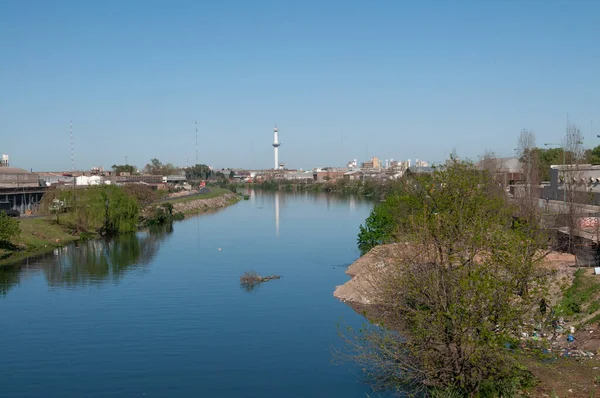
column 126, row 163
column 196, row 141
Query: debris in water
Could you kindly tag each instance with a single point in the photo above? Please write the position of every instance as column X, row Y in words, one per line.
column 251, row 280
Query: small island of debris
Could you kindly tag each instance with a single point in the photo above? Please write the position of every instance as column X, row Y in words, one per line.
column 251, row 280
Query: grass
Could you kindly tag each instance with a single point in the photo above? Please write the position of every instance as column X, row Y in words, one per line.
column 41, row 235
column 38, row 236
column 579, row 297
column 214, row 192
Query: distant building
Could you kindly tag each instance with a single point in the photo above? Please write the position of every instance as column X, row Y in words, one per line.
column 329, row 175
column 91, row 180
column 298, row 176
column 12, row 177
column 372, row 164
column 19, row 189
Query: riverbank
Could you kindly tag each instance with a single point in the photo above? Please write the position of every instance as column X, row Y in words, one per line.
column 574, row 370
column 41, row 235
column 217, row 198
column 38, row 236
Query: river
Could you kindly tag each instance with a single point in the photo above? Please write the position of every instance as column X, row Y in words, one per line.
column 162, row 313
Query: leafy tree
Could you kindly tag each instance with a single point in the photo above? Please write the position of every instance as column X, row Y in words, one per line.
column 198, row 172
column 231, row 174
column 593, row 155
column 156, row 167
column 9, row 228
column 106, row 209
column 387, row 220
column 462, row 287
column 124, row 168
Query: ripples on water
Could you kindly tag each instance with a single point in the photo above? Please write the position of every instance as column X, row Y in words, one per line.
column 161, row 313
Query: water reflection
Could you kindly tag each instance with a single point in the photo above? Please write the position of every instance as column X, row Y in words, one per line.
column 277, row 199
column 97, row 261
column 276, row 213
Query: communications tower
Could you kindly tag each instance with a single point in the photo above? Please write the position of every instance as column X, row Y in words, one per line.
column 276, row 145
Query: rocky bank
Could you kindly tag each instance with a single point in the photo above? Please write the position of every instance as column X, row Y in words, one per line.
column 194, row 206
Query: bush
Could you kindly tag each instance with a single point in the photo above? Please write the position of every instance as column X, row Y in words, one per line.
column 164, row 215
column 9, row 227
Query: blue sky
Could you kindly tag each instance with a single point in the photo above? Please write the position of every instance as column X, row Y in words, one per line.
column 341, row 79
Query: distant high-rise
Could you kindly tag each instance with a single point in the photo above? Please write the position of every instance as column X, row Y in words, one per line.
column 276, row 145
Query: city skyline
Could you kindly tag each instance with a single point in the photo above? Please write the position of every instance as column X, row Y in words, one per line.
column 342, row 80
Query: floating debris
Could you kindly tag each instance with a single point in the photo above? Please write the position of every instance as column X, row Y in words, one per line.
column 251, row 280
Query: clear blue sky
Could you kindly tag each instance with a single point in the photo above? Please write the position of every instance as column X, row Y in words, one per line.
column 395, row 79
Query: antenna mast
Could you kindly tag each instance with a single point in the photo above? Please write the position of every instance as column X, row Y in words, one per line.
column 196, row 141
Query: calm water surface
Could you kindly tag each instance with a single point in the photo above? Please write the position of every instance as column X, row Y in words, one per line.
column 162, row 314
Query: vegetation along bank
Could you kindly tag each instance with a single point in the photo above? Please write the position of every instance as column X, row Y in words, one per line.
column 85, row 213
column 467, row 296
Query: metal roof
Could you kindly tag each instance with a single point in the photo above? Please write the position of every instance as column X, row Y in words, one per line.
column 13, row 170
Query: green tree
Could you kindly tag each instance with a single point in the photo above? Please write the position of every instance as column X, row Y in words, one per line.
column 462, row 287
column 231, row 174
column 593, row 155
column 156, row 167
column 9, row 228
column 388, row 220
column 106, row 209
column 124, row 168
column 198, row 172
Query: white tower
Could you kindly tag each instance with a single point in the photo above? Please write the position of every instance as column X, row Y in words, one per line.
column 276, row 147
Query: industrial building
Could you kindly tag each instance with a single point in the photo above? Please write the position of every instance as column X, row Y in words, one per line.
column 19, row 189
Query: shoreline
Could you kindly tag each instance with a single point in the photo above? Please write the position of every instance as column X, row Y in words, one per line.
column 41, row 235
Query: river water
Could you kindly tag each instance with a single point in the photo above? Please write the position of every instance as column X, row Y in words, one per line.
column 162, row 313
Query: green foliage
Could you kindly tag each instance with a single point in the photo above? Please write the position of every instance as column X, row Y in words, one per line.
column 164, row 215
column 593, row 155
column 386, row 219
column 550, row 156
column 461, row 287
column 124, row 168
column 106, row 209
column 581, row 292
column 198, row 172
column 156, row 167
column 9, row 228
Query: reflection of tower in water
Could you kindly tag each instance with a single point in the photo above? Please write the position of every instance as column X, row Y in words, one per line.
column 276, row 213
column 352, row 203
